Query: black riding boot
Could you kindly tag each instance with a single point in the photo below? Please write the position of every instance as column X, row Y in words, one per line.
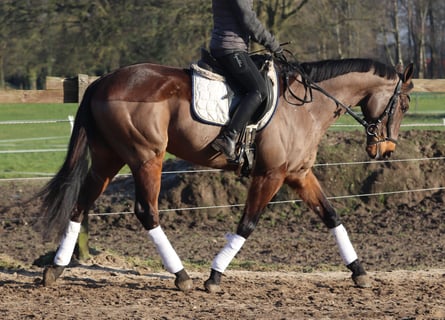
column 226, row 143
column 226, row 140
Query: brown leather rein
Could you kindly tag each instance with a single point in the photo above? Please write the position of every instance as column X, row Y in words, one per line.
column 370, row 126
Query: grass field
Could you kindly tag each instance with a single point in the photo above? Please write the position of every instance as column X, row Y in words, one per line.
column 37, row 147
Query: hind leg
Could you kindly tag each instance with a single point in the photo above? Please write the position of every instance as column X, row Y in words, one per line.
column 311, row 193
column 99, row 176
column 148, row 182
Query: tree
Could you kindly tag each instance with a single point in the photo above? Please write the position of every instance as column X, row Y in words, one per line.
column 436, row 18
column 418, row 14
column 64, row 38
column 17, row 23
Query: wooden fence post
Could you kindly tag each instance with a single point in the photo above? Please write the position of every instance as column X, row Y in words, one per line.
column 83, row 82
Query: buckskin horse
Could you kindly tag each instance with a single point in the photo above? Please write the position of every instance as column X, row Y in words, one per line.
column 137, row 113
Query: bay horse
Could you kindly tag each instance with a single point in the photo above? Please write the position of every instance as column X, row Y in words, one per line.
column 137, row 113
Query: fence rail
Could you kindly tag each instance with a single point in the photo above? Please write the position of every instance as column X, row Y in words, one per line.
column 47, row 150
column 240, row 205
column 427, row 189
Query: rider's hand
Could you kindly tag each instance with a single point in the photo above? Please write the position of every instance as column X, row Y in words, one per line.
column 279, row 55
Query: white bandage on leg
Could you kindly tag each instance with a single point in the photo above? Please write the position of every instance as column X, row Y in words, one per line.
column 170, row 258
column 345, row 247
column 225, row 256
column 67, row 244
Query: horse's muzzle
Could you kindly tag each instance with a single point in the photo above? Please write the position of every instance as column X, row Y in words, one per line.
column 381, row 150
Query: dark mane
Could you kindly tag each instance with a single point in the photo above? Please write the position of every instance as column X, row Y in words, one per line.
column 327, row 69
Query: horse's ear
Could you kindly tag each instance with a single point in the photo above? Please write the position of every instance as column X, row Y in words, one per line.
column 408, row 73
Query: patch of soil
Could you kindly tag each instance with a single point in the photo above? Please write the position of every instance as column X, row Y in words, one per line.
column 98, row 292
column 392, row 231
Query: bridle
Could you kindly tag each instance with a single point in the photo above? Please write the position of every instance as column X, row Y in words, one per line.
column 371, row 127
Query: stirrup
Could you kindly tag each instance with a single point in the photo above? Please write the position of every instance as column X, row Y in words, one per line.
column 247, row 151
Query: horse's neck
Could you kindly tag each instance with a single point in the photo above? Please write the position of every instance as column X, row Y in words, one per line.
column 325, row 109
column 350, row 88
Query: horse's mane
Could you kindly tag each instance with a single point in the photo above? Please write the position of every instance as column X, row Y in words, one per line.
column 327, row 69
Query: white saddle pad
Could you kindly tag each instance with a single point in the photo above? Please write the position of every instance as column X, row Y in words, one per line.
column 211, row 102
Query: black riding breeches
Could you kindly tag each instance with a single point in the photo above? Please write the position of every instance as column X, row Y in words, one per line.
column 243, row 75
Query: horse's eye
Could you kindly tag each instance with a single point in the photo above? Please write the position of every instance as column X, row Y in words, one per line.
column 404, row 106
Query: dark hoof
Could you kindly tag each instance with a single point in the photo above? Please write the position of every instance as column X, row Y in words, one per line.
column 362, row 281
column 50, row 274
column 185, row 285
column 183, row 281
column 212, row 284
column 211, row 287
column 359, row 276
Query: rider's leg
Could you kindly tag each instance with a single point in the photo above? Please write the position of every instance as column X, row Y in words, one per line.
column 244, row 75
column 226, row 141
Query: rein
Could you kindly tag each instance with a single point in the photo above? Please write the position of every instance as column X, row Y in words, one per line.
column 370, row 127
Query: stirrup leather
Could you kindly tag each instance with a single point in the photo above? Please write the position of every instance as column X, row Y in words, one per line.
column 245, row 157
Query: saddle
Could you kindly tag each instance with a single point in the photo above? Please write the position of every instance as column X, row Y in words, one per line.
column 214, row 101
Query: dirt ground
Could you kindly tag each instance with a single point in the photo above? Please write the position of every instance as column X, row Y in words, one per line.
column 93, row 292
column 288, row 269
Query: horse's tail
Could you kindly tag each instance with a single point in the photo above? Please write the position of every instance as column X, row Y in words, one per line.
column 60, row 194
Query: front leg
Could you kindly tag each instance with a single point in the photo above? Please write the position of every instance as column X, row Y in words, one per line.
column 261, row 191
column 311, row 193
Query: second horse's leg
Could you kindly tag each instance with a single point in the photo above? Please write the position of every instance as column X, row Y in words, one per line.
column 311, row 193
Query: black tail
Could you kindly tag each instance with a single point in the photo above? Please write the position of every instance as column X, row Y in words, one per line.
column 61, row 193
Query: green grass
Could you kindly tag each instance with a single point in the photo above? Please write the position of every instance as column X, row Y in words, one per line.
column 427, row 102
column 425, row 108
column 35, row 111
column 8, row 263
column 33, row 136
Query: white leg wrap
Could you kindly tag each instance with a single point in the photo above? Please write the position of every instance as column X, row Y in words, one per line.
column 170, row 258
column 222, row 260
column 345, row 247
column 67, row 244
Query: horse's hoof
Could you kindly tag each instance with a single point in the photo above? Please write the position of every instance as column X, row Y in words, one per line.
column 211, row 287
column 212, row 284
column 359, row 276
column 50, row 274
column 362, row 281
column 185, row 285
column 183, row 281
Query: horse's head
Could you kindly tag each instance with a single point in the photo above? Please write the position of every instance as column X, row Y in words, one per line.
column 383, row 111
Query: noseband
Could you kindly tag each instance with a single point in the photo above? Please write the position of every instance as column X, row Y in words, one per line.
column 371, row 127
